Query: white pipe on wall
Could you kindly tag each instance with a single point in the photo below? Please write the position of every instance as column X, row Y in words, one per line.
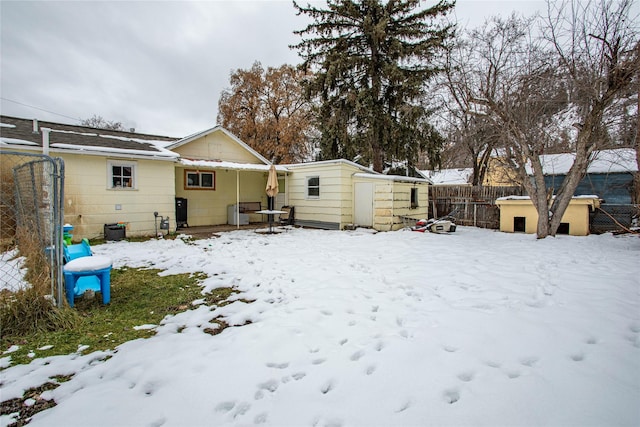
column 45, row 141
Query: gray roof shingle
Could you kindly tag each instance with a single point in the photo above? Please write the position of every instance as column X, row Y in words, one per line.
column 14, row 128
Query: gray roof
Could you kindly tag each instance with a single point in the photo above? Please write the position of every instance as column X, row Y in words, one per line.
column 14, row 130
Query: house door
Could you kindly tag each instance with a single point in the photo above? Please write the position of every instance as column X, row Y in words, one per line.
column 363, row 204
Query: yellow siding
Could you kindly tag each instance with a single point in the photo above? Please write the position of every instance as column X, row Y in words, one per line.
column 89, row 204
column 392, row 200
column 216, row 146
column 576, row 215
column 336, row 194
column 209, row 207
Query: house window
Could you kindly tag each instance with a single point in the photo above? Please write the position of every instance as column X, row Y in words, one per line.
column 196, row 180
column 414, row 198
column 313, row 187
column 122, row 175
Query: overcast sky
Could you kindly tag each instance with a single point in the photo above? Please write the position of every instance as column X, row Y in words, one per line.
column 155, row 66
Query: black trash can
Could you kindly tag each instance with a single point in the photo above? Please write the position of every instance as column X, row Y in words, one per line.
column 115, row 232
column 181, row 212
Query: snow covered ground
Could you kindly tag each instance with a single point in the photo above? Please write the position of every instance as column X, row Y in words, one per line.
column 360, row 329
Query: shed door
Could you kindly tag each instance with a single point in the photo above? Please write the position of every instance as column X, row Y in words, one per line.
column 363, row 208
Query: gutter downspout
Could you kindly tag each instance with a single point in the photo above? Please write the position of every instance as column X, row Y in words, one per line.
column 45, row 140
column 237, row 199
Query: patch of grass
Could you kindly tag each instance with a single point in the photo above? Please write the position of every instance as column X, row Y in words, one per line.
column 138, row 297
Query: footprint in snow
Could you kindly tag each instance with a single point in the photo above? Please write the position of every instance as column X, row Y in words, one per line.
column 277, row 365
column 298, row 376
column 493, row 364
column 241, row 409
column 591, row 340
column 327, row 386
column 529, row 361
column 404, row 406
column 513, row 374
column 370, row 369
column 260, row 418
column 271, row 385
column 466, row 376
column 357, row 355
column 158, row 423
column 577, row 357
column 225, row 406
column 343, row 341
column 318, row 361
column 451, row 396
column 379, row 346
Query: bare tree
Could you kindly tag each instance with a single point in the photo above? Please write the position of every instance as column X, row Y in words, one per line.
column 472, row 137
column 99, row 122
column 538, row 90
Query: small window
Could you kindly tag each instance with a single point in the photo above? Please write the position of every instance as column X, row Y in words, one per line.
column 122, row 175
column 414, row 198
column 196, row 180
column 313, row 187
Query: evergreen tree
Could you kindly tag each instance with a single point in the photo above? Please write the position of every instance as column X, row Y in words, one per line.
column 371, row 61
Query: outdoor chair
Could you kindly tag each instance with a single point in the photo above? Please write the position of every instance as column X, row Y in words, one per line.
column 287, row 217
column 84, row 272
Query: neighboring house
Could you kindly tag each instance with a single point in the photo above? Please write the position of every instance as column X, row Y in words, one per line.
column 609, row 175
column 113, row 176
column 110, row 176
column 459, row 176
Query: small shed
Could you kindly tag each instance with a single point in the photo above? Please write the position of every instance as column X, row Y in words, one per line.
column 517, row 214
column 337, row 194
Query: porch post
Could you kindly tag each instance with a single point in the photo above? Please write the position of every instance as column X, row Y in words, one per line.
column 237, row 199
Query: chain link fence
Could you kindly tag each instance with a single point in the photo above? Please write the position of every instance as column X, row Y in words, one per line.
column 31, row 217
column 613, row 217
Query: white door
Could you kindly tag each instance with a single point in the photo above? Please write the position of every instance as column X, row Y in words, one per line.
column 363, row 209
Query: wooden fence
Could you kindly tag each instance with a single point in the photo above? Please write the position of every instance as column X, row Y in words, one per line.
column 470, row 205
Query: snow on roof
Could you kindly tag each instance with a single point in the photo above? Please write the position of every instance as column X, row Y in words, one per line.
column 230, row 165
column 460, row 176
column 97, row 149
column 16, row 131
column 604, row 161
column 395, row 178
column 585, row 196
column 7, row 142
column 333, row 161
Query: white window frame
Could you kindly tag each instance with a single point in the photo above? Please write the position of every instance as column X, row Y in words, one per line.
column 122, row 163
column 199, row 173
column 309, row 187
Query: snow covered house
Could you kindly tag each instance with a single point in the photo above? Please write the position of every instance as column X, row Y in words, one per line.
column 208, row 178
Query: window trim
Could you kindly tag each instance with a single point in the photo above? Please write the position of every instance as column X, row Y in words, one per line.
column 309, row 187
column 199, row 173
column 122, row 163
